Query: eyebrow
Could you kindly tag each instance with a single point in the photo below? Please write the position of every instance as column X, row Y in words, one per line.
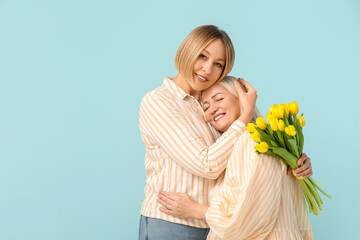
column 213, row 96
column 220, row 59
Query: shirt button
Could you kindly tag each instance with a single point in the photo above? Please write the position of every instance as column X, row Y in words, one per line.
column 210, row 169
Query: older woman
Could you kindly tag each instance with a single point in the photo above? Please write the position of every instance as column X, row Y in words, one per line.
column 257, row 199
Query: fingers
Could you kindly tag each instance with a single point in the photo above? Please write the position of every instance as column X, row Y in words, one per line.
column 168, row 195
column 305, row 174
column 302, row 168
column 166, row 211
column 239, row 89
column 165, row 201
column 302, row 159
column 303, row 163
column 305, row 170
column 246, row 85
column 244, row 88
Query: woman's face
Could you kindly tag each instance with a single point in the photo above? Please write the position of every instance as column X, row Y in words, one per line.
column 220, row 106
column 209, row 66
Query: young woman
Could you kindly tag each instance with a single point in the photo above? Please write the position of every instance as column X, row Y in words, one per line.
column 257, row 199
column 184, row 153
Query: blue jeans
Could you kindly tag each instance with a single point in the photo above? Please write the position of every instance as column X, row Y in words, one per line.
column 157, row 229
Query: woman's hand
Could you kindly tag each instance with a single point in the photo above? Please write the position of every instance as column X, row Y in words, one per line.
column 305, row 169
column 181, row 205
column 247, row 100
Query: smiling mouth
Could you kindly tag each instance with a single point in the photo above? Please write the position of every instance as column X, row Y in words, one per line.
column 201, row 78
column 219, row 116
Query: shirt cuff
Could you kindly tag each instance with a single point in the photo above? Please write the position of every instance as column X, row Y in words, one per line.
column 238, row 126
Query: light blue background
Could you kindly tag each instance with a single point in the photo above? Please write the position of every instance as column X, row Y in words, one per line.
column 73, row 74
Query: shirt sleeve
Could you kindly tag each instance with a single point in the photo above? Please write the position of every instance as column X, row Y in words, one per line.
column 169, row 128
column 248, row 204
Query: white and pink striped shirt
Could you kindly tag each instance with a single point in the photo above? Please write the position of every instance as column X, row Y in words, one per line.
column 184, row 153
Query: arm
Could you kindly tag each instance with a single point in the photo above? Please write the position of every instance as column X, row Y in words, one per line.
column 184, row 206
column 181, row 205
column 167, row 125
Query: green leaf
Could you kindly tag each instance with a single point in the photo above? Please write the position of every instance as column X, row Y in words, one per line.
column 281, row 138
column 291, row 122
column 288, row 144
column 284, row 154
column 285, row 119
column 317, row 186
column 297, row 128
column 269, row 139
column 269, row 151
column 294, row 148
column 301, row 141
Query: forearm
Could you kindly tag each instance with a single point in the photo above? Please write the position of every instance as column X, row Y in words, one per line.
column 182, row 143
column 181, row 205
column 200, row 212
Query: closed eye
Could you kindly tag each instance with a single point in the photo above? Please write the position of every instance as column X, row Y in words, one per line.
column 206, row 106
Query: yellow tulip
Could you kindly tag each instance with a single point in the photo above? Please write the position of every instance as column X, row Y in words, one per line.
column 262, row 147
column 279, row 111
column 301, row 120
column 294, row 108
column 256, row 136
column 272, row 108
column 281, row 125
column 274, row 125
column 251, row 127
column 261, row 123
column 286, row 107
column 290, row 130
column 271, row 117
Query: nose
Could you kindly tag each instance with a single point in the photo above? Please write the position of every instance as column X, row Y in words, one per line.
column 213, row 109
column 207, row 67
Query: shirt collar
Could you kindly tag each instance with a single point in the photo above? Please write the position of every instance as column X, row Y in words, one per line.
column 174, row 89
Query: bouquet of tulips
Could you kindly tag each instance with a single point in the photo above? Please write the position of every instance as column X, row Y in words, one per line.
column 282, row 137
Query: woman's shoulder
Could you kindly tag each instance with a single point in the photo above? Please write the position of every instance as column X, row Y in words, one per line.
column 244, row 147
column 158, row 94
column 245, row 140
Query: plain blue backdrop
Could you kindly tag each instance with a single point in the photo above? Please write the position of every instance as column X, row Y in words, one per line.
column 73, row 73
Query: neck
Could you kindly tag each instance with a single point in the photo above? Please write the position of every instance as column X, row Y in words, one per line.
column 184, row 85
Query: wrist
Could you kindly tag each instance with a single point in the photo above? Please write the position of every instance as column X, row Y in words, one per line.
column 246, row 117
column 201, row 212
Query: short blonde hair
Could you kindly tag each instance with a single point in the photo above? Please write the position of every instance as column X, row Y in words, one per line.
column 195, row 43
column 228, row 83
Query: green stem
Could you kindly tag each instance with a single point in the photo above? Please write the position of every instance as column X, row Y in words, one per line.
column 312, row 200
column 317, row 186
column 306, row 194
column 314, row 193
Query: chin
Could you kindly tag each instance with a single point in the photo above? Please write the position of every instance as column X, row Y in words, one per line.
column 226, row 128
column 222, row 129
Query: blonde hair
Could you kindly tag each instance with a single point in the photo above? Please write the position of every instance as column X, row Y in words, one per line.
column 195, row 43
column 228, row 83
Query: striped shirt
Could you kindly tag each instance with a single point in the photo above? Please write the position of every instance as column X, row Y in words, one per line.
column 258, row 200
column 184, row 153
